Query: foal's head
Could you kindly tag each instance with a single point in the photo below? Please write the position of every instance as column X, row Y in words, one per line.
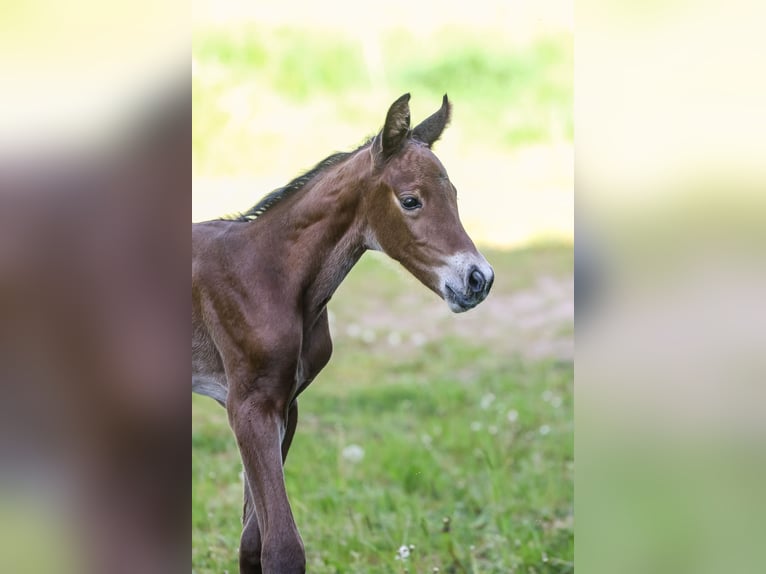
column 412, row 210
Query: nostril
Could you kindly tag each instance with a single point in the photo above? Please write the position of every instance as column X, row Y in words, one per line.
column 476, row 281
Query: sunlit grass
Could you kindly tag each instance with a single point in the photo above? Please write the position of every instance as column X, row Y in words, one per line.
column 490, row 454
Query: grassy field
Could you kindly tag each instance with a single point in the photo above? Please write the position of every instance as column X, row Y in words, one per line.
column 451, row 440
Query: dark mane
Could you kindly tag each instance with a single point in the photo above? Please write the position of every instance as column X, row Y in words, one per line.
column 295, row 185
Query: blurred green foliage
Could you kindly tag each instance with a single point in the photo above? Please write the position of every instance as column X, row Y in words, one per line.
column 295, row 63
column 509, row 94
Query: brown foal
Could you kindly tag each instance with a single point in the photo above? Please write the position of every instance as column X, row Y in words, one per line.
column 261, row 284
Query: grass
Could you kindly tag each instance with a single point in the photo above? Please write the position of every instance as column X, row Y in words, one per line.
column 468, row 448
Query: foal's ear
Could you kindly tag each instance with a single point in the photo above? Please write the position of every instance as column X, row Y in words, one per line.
column 396, row 128
column 429, row 130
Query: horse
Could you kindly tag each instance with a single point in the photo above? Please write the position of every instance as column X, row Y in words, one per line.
column 261, row 282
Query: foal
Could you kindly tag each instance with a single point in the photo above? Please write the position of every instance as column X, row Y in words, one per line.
column 261, row 284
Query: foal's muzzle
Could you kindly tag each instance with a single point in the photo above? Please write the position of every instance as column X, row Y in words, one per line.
column 474, row 289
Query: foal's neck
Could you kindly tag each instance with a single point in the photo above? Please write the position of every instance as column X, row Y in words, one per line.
column 325, row 231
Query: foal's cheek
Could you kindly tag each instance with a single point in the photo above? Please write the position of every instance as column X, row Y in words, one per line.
column 388, row 226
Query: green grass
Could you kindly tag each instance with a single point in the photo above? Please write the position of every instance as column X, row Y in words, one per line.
column 438, row 444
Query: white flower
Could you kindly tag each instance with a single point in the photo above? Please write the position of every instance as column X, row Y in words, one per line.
column 513, row 416
column 487, row 400
column 475, row 426
column 403, row 553
column 353, row 453
column 545, row 429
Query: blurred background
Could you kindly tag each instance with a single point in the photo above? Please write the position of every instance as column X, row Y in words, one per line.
column 449, row 435
column 278, row 89
column 671, row 134
column 95, row 180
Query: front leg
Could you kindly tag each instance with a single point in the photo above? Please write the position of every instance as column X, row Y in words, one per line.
column 261, row 428
column 250, row 542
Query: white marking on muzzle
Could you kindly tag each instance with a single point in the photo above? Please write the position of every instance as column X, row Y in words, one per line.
column 453, row 278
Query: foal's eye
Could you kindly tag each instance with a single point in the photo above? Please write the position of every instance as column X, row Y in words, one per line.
column 410, row 202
